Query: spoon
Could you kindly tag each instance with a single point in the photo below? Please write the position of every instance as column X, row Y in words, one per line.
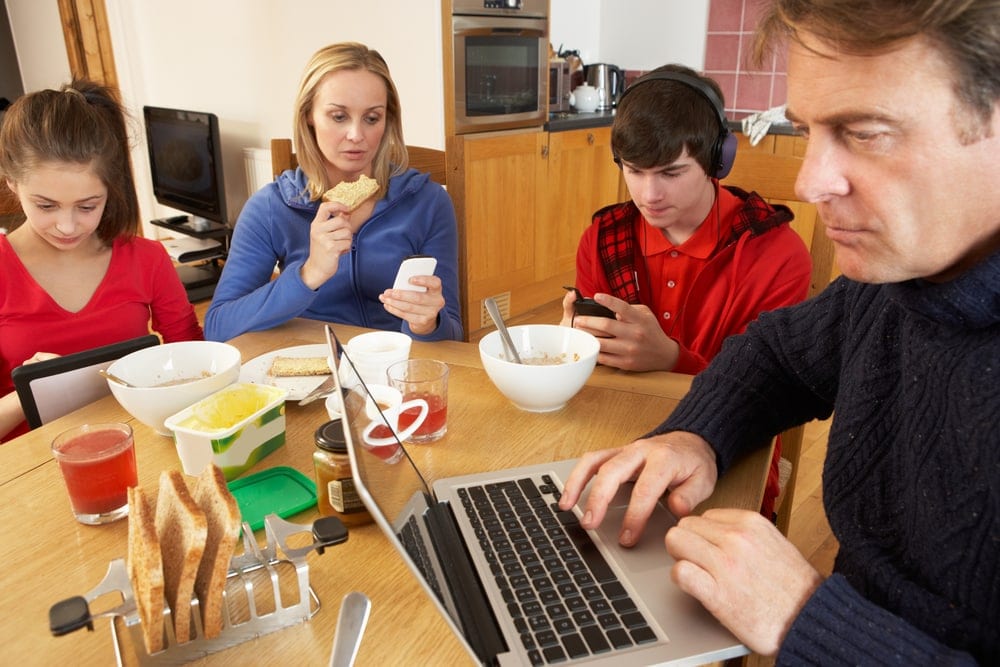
column 115, row 378
column 508, row 344
column 351, row 622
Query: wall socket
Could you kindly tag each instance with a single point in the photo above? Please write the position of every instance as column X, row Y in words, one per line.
column 503, row 303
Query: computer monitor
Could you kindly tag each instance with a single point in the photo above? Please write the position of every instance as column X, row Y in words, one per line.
column 185, row 156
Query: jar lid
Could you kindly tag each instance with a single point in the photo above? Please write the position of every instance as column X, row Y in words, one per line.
column 330, row 436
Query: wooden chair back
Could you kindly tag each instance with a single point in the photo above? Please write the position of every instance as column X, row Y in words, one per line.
column 429, row 160
column 770, row 168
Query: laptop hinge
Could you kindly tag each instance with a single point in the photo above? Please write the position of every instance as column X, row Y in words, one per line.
column 476, row 617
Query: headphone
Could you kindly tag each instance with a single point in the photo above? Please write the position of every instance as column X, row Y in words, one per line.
column 724, row 148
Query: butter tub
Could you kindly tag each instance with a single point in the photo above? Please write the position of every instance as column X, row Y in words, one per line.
column 234, row 447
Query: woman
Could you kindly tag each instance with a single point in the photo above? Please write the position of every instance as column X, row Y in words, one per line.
column 335, row 265
column 73, row 274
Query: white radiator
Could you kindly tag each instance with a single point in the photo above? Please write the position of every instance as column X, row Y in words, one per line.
column 257, row 164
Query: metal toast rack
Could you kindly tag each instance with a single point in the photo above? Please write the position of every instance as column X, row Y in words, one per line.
column 265, row 592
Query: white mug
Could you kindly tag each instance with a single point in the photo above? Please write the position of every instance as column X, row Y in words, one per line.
column 386, row 413
column 372, row 353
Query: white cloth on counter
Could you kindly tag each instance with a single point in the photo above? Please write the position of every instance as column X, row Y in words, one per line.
column 755, row 125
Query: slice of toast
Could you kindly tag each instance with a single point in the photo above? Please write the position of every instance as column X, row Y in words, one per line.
column 145, row 568
column 298, row 366
column 352, row 194
column 223, row 516
column 182, row 529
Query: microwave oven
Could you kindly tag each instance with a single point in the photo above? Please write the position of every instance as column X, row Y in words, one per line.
column 559, row 85
column 500, row 63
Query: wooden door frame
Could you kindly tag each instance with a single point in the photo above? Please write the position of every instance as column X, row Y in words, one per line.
column 88, row 41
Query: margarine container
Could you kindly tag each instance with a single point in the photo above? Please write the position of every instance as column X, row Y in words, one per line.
column 235, row 427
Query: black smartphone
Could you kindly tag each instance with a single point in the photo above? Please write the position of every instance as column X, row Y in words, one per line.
column 588, row 307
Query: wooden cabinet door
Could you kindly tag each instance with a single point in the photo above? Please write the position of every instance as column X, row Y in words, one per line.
column 499, row 201
column 581, row 178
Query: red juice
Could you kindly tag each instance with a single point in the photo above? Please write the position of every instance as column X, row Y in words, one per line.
column 390, row 452
column 97, row 486
column 437, row 416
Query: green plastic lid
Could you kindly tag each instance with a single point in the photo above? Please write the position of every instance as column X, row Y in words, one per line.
column 282, row 490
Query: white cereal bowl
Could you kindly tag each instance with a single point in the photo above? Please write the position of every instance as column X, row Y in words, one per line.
column 538, row 387
column 153, row 369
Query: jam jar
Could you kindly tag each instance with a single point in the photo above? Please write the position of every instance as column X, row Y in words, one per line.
column 335, row 492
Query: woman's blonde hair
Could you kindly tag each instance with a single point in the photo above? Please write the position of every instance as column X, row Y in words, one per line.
column 390, row 157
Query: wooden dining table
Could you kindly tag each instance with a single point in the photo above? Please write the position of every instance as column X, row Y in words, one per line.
column 47, row 556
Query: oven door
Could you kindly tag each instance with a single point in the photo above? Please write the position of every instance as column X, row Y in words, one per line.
column 501, row 72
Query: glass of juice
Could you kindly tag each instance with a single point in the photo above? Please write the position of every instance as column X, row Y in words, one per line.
column 98, row 463
column 425, row 379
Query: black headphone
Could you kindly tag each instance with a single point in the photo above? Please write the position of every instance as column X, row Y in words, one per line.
column 724, row 149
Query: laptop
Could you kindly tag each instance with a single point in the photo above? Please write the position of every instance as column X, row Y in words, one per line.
column 519, row 581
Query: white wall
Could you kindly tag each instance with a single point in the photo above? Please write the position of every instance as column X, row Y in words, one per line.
column 633, row 34
column 242, row 59
column 37, row 33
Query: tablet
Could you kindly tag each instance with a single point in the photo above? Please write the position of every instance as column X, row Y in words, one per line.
column 49, row 389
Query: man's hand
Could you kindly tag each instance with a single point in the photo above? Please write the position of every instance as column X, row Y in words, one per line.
column 737, row 564
column 633, row 341
column 682, row 463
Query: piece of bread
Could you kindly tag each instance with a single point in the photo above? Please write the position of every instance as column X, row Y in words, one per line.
column 182, row 529
column 297, row 366
column 145, row 568
column 353, row 194
column 223, row 516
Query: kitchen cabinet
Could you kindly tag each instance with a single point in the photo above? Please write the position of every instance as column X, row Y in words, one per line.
column 523, row 198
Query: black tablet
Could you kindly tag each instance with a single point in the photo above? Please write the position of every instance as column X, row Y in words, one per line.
column 52, row 388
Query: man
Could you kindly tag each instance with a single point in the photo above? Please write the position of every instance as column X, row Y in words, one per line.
column 899, row 101
column 685, row 263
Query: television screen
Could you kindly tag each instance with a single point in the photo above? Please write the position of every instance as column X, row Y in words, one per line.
column 185, row 157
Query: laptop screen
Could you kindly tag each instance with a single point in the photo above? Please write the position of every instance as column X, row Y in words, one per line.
column 380, row 459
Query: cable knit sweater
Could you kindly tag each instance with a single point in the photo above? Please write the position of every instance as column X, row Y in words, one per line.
column 911, row 482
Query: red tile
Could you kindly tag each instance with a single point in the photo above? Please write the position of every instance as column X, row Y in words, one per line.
column 779, row 93
column 753, row 92
column 752, row 9
column 727, row 83
column 722, row 52
column 724, row 15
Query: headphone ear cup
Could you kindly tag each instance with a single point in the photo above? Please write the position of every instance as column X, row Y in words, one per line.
column 727, row 155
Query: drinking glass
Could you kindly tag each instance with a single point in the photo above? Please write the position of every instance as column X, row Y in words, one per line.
column 98, row 464
column 425, row 379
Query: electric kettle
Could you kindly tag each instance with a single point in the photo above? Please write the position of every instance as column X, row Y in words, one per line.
column 609, row 80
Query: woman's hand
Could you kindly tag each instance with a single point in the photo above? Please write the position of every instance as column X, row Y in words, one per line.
column 330, row 236
column 419, row 309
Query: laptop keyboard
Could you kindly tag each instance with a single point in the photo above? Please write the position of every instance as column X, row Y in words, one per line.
column 409, row 535
column 562, row 595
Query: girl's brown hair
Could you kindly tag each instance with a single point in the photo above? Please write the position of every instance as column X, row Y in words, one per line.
column 81, row 123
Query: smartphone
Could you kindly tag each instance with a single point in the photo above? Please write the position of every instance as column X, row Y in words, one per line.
column 414, row 265
column 588, row 307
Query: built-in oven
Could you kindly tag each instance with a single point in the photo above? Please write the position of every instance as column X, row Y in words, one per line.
column 501, row 56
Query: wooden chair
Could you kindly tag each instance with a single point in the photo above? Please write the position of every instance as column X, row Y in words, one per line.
column 770, row 168
column 423, row 159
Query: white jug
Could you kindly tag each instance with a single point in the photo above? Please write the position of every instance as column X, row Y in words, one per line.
column 584, row 98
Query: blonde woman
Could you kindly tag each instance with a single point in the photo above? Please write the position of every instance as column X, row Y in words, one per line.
column 338, row 265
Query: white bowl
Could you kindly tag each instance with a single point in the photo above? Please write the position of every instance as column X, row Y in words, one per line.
column 540, row 387
column 152, row 369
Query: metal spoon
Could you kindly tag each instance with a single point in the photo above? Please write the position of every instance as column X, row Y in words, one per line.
column 508, row 344
column 351, row 622
column 115, row 378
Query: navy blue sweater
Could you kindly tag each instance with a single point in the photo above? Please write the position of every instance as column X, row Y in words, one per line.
column 911, row 482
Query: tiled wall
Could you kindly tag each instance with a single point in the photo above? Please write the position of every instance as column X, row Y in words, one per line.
column 727, row 56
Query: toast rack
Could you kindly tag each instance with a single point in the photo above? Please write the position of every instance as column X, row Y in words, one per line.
column 258, row 585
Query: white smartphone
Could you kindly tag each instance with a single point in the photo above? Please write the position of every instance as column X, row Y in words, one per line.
column 416, row 265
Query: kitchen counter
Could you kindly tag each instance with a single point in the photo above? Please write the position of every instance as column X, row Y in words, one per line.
column 578, row 120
